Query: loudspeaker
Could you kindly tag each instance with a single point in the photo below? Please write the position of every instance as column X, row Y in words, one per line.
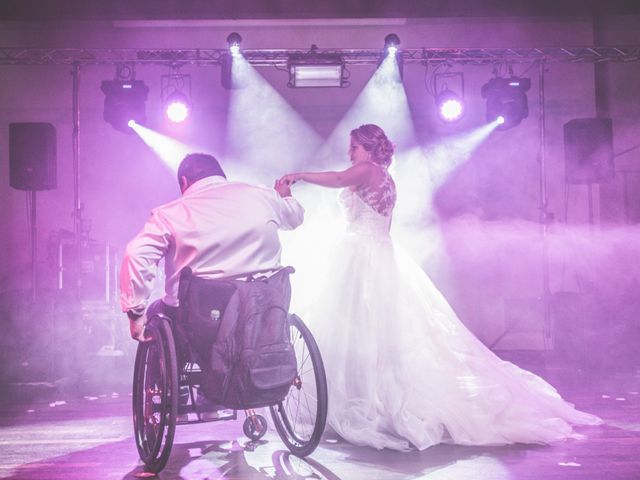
column 32, row 156
column 588, row 150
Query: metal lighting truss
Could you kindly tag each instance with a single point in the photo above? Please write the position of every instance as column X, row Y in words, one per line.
column 279, row 58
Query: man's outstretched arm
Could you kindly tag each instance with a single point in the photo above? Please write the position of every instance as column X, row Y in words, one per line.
column 138, row 271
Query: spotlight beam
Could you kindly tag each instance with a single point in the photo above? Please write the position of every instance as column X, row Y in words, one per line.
column 168, row 149
column 382, row 101
column 264, row 132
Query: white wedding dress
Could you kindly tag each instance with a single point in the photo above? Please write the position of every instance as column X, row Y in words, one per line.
column 402, row 369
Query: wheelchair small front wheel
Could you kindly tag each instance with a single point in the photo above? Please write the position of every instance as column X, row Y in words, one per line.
column 155, row 395
column 301, row 417
column 254, row 427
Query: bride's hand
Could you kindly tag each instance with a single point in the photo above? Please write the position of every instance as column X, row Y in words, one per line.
column 289, row 179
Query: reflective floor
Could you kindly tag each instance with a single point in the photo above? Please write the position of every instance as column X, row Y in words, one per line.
column 89, row 436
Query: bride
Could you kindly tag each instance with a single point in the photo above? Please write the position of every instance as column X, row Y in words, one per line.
column 402, row 369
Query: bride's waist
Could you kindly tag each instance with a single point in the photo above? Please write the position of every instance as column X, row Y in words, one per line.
column 375, row 230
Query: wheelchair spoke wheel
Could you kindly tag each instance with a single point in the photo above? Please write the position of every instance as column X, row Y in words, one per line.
column 300, row 418
column 155, row 395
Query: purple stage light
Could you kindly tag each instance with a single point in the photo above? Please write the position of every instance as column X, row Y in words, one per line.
column 506, row 98
column 131, row 123
column 177, row 108
column 124, row 100
column 391, row 43
column 177, row 112
column 234, row 40
column 500, row 120
column 450, row 106
column 451, row 110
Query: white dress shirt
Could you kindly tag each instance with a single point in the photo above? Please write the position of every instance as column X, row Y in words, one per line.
column 217, row 228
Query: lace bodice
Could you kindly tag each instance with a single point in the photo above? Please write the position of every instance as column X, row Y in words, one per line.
column 368, row 210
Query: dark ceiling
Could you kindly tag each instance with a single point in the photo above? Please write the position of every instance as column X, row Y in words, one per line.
column 55, row 10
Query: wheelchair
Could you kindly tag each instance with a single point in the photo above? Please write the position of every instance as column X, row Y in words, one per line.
column 159, row 385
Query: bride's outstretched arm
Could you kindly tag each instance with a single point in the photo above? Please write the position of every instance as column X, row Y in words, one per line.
column 353, row 176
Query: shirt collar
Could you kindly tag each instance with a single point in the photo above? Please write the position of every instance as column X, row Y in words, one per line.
column 201, row 184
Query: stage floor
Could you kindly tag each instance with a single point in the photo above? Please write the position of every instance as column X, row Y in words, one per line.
column 90, row 437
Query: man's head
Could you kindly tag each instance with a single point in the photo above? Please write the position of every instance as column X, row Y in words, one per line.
column 196, row 166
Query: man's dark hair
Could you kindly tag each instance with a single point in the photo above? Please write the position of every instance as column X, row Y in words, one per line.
column 199, row 165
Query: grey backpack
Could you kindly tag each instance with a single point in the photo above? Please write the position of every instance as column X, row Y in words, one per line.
column 247, row 359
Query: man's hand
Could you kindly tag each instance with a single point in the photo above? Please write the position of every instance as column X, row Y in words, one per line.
column 136, row 327
column 283, row 189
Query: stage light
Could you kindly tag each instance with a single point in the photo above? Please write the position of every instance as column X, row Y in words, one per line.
column 234, row 40
column 176, row 95
column 391, row 62
column 177, row 107
column 124, row 101
column 506, row 98
column 448, row 90
column 450, row 106
column 391, row 43
column 315, row 69
column 232, row 64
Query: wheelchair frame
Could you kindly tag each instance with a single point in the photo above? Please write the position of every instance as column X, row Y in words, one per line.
column 156, row 393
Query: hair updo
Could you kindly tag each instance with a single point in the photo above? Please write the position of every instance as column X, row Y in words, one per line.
column 374, row 141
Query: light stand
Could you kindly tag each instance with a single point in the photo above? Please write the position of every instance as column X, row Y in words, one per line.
column 31, row 195
column 77, row 207
column 545, row 217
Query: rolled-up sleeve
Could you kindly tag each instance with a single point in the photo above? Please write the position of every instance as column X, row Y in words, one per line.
column 140, row 263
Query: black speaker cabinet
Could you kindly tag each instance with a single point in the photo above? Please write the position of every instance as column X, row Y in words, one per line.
column 588, row 150
column 32, row 156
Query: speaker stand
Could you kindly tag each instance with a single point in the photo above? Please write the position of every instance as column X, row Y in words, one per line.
column 34, row 243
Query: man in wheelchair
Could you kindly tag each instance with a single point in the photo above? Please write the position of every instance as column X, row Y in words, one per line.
column 217, row 235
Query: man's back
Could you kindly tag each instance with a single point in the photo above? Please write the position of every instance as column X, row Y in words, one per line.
column 218, row 229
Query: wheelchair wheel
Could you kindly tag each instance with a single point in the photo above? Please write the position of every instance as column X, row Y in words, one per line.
column 155, row 395
column 255, row 428
column 300, row 418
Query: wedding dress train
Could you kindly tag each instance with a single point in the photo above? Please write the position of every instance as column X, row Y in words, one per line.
column 403, row 371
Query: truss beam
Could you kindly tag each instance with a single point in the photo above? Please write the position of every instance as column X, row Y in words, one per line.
column 278, row 58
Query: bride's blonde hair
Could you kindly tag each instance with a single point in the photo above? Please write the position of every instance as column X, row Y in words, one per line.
column 374, row 141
